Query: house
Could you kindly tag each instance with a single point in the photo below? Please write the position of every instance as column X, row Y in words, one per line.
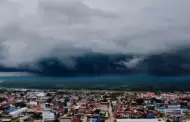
column 140, row 120
column 5, row 120
column 48, row 116
column 18, row 112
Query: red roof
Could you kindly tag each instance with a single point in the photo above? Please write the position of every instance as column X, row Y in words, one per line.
column 120, row 111
column 150, row 93
column 10, row 98
column 60, row 110
column 83, row 107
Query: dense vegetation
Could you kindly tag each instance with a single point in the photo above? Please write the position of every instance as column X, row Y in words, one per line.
column 103, row 85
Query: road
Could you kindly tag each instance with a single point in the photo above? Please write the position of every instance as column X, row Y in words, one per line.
column 111, row 118
column 84, row 119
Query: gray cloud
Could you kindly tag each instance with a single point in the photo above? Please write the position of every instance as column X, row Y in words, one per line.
column 16, row 74
column 132, row 63
column 34, row 29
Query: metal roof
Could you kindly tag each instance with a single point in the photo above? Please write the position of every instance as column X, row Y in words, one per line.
column 139, row 120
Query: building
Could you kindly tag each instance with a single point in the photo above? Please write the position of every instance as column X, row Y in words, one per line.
column 48, row 116
column 18, row 112
column 172, row 110
column 140, row 120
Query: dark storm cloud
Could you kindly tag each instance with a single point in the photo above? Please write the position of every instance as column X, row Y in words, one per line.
column 35, row 29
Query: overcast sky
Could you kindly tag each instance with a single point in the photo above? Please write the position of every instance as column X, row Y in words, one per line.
column 34, row 29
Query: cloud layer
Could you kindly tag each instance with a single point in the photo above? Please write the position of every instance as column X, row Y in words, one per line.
column 35, row 29
column 5, row 74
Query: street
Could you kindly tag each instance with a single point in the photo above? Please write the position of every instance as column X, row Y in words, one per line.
column 111, row 117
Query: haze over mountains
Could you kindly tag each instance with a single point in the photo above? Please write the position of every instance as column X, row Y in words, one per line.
column 95, row 37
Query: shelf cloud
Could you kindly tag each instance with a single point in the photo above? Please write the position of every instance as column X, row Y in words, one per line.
column 31, row 30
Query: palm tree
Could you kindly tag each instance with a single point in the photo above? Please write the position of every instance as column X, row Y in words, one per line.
column 187, row 112
column 161, row 115
column 56, row 120
column 168, row 120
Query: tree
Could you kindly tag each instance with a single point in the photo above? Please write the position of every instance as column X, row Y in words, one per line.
column 102, row 120
column 48, row 94
column 104, row 100
column 97, row 111
column 186, row 112
column 156, row 100
column 21, row 94
column 168, row 120
column 49, row 100
column 161, row 115
column 20, row 104
column 140, row 101
column 56, row 120
column 2, row 99
column 37, row 116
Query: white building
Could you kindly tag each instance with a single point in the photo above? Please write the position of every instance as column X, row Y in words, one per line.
column 139, row 120
column 48, row 116
column 18, row 112
column 33, row 103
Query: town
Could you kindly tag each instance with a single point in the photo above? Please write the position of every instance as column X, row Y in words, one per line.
column 39, row 105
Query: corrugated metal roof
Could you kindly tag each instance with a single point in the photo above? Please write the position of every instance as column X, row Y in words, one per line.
column 9, row 110
column 139, row 120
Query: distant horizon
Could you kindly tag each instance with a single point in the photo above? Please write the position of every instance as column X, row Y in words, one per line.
column 132, row 77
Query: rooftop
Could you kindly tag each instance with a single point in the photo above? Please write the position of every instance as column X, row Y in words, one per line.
column 139, row 120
